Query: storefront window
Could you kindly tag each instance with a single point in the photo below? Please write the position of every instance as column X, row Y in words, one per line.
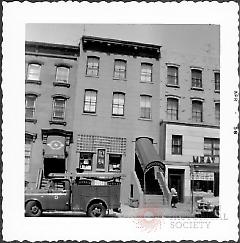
column 85, row 161
column 114, row 162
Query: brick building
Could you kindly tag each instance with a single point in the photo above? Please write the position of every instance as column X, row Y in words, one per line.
column 118, row 106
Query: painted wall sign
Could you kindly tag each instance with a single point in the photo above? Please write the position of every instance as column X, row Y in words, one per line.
column 205, row 159
column 101, row 158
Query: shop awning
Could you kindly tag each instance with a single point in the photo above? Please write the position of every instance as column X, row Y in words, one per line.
column 55, row 147
column 147, row 155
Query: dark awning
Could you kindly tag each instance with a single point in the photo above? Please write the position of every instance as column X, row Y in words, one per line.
column 55, row 147
column 147, row 154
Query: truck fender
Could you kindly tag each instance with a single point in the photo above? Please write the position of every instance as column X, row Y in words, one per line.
column 35, row 200
column 97, row 200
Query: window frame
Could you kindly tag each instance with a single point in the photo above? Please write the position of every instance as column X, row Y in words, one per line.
column 91, row 164
column 145, row 75
column 195, row 80
column 61, row 81
column 93, row 68
column 216, row 84
column 217, row 112
column 32, row 108
column 28, row 153
column 145, row 107
column 195, row 118
column 177, row 148
column 214, row 147
column 120, row 164
column 90, row 102
column 176, row 83
column 33, row 80
column 120, row 71
column 58, row 118
column 118, row 105
column 170, row 114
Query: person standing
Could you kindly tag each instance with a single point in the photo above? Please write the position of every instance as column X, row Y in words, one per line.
column 174, row 195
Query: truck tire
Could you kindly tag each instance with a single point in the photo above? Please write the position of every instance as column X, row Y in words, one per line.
column 33, row 209
column 96, row 210
column 216, row 212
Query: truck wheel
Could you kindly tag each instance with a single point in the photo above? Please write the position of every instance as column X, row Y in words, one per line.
column 33, row 209
column 96, row 210
column 216, row 212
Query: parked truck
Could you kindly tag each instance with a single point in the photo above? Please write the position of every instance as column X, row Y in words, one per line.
column 94, row 194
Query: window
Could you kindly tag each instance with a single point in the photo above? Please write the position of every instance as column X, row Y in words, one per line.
column 145, row 106
column 62, row 74
column 59, row 105
column 176, row 144
column 172, row 75
column 197, row 111
column 90, row 101
column 92, row 66
column 85, row 161
column 196, row 78
column 28, row 149
column 34, row 72
column 120, row 68
column 172, row 109
column 114, row 164
column 146, row 72
column 30, row 102
column 211, row 147
column 217, row 112
column 217, row 81
column 118, row 104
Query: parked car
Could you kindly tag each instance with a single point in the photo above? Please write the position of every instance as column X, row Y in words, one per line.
column 207, row 206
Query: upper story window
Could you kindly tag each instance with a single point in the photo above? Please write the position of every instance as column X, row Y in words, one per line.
column 62, row 74
column 145, row 106
column 196, row 78
column 172, row 75
column 120, row 69
column 217, row 81
column 197, row 111
column 92, row 66
column 33, row 72
column 30, row 106
column 118, row 104
column 90, row 101
column 28, row 151
column 177, row 144
column 172, row 109
column 211, row 147
column 146, row 72
column 217, row 113
column 59, row 105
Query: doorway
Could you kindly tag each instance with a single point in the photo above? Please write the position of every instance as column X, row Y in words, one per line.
column 152, row 185
column 176, row 179
column 53, row 165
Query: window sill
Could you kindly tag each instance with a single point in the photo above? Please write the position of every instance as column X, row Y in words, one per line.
column 89, row 114
column 217, row 91
column 146, row 82
column 177, row 154
column 91, row 76
column 144, row 119
column 173, row 85
column 32, row 120
column 198, row 89
column 29, row 81
column 61, row 84
column 121, row 117
column 119, row 79
column 58, row 122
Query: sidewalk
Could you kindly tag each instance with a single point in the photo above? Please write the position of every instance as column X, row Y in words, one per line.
column 182, row 211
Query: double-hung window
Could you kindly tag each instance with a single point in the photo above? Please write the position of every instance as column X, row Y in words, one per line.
column 120, row 69
column 118, row 104
column 217, row 112
column 145, row 106
column 59, row 106
column 146, row 72
column 62, row 74
column 30, row 106
column 33, row 72
column 217, row 81
column 172, row 109
column 92, row 66
column 172, row 75
column 212, row 148
column 177, row 144
column 196, row 78
column 90, row 101
column 28, row 150
column 197, row 111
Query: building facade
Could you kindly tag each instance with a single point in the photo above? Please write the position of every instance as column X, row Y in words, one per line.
column 123, row 107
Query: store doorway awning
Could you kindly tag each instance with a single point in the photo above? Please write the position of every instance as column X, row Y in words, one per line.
column 147, row 155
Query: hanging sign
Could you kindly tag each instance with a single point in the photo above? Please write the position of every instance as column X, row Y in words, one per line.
column 202, row 176
column 101, row 158
column 55, row 147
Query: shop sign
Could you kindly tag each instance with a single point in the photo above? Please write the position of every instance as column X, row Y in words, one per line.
column 205, row 159
column 202, row 176
column 101, row 158
column 55, row 147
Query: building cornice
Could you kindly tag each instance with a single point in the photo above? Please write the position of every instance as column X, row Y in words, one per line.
column 189, row 124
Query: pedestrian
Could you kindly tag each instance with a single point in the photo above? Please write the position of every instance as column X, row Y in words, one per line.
column 174, row 195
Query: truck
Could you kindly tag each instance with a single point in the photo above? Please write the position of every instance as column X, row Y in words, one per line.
column 94, row 194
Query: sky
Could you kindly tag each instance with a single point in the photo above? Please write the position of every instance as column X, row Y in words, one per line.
column 196, row 39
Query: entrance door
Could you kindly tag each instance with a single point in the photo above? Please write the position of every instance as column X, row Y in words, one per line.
column 53, row 165
column 152, row 185
column 176, row 179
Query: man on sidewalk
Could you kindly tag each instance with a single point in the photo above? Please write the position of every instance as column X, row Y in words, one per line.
column 174, row 195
